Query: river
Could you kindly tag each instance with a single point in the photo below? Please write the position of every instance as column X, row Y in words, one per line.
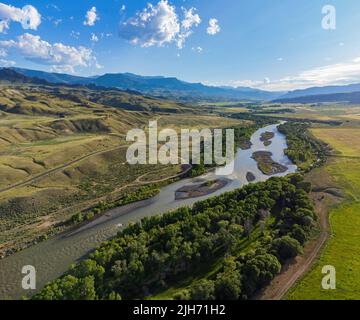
column 53, row 257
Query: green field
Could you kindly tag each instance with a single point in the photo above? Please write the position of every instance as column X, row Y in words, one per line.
column 343, row 249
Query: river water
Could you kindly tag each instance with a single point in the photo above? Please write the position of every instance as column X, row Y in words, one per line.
column 53, row 257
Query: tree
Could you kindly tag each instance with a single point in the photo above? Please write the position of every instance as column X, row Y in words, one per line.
column 228, row 283
column 258, row 270
column 299, row 234
column 203, row 290
column 286, row 248
column 227, row 286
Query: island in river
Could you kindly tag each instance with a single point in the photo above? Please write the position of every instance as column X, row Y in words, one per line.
column 250, row 177
column 266, row 164
column 200, row 190
column 266, row 138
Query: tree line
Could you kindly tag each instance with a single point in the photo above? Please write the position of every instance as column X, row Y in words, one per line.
column 303, row 149
column 234, row 243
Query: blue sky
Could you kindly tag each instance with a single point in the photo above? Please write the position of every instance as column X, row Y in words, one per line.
column 274, row 45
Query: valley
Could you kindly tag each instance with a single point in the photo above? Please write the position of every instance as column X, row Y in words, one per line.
column 66, row 185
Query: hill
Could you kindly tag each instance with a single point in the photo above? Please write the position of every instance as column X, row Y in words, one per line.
column 169, row 87
column 315, row 91
column 351, row 97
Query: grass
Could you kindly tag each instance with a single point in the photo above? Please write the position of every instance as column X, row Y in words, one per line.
column 344, row 140
column 343, row 249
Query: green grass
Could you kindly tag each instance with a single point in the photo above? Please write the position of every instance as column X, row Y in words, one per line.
column 343, row 249
column 342, row 252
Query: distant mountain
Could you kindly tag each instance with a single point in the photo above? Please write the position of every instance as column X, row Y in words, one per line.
column 158, row 86
column 53, row 77
column 321, row 90
column 9, row 75
column 351, row 97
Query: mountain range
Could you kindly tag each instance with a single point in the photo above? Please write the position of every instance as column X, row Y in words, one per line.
column 173, row 88
column 169, row 87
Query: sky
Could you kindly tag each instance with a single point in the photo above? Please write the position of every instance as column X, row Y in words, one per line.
column 272, row 45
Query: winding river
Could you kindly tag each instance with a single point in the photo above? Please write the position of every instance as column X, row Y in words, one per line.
column 53, row 257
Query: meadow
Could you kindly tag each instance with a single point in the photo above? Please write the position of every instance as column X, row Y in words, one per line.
column 343, row 248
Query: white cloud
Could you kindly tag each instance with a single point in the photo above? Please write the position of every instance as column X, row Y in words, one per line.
column 28, row 17
column 197, row 49
column 3, row 53
column 75, row 34
column 6, row 63
column 333, row 74
column 94, row 37
column 57, row 22
column 213, row 27
column 57, row 55
column 280, row 59
column 267, row 80
column 123, row 8
column 190, row 19
column 91, row 17
column 157, row 25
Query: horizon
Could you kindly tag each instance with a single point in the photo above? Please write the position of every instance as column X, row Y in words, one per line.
column 168, row 77
column 188, row 40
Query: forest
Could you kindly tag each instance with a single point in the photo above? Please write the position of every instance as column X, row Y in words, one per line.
column 303, row 148
column 235, row 243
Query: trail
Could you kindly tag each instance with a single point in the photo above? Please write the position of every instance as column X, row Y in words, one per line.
column 294, row 270
column 57, row 169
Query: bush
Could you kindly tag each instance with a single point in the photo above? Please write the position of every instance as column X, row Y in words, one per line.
column 203, row 290
column 286, row 248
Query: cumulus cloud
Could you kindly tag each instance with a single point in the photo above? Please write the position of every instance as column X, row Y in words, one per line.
column 157, row 25
column 213, row 27
column 28, row 17
column 91, row 17
column 57, row 55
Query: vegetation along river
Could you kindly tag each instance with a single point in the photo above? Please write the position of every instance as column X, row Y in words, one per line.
column 53, row 257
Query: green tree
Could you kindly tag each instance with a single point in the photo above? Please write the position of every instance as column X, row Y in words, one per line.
column 203, row 290
column 286, row 248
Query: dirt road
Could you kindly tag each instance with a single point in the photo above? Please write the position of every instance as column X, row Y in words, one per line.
column 294, row 270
